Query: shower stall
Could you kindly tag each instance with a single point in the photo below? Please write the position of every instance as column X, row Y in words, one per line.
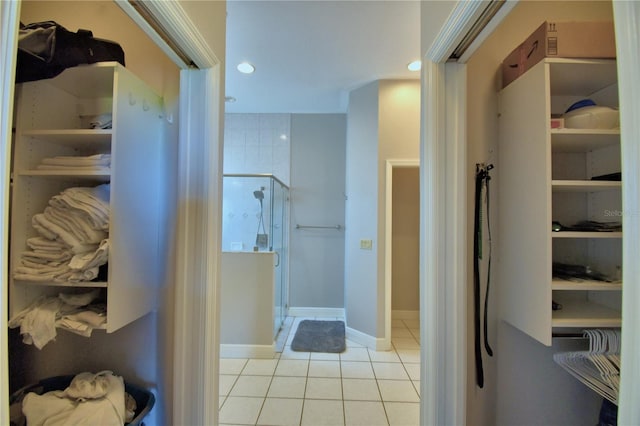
column 255, row 225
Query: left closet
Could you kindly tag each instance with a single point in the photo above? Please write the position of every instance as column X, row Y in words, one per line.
column 56, row 122
column 53, row 119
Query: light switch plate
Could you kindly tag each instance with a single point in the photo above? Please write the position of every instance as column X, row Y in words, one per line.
column 366, row 244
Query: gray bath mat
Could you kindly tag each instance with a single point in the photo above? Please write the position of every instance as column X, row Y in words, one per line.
column 319, row 336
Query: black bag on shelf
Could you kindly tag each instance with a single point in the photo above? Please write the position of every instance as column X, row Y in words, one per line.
column 45, row 49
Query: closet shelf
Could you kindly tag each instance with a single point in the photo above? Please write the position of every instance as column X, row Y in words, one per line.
column 63, row 174
column 71, row 136
column 584, row 185
column 81, row 284
column 577, row 234
column 586, row 315
column 583, row 140
column 585, row 285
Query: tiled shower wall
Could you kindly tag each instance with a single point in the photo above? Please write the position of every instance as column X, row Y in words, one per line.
column 253, row 144
column 258, row 143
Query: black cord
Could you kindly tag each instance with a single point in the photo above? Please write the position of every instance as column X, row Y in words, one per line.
column 482, row 181
column 486, row 296
column 476, row 276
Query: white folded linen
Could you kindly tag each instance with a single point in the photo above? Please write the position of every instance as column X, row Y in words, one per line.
column 49, row 273
column 61, row 234
column 77, row 276
column 44, row 256
column 91, row 259
column 45, row 244
column 75, row 224
column 93, row 203
column 84, row 169
column 78, row 161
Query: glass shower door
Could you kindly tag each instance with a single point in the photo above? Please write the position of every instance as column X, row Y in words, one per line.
column 280, row 226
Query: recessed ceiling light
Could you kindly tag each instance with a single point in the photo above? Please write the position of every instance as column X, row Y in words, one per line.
column 415, row 66
column 229, row 99
column 246, row 68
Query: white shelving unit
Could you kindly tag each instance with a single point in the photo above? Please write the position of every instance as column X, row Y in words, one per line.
column 51, row 121
column 545, row 175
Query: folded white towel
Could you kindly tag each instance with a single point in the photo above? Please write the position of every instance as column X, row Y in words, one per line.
column 78, row 161
column 41, row 256
column 84, row 169
column 76, row 224
column 45, row 244
column 93, row 203
column 61, row 234
column 77, row 276
column 93, row 259
column 46, row 273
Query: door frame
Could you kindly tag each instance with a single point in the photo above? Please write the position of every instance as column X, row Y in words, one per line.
column 9, row 22
column 627, row 28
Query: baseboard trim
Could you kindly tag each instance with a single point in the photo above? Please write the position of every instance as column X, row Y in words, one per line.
column 316, row 312
column 247, row 351
column 408, row 315
column 376, row 343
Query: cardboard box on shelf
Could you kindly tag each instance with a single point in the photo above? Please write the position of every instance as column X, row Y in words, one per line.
column 513, row 65
column 571, row 39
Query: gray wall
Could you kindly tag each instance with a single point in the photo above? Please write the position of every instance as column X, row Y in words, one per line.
column 318, row 143
column 383, row 124
column 522, row 384
column 361, row 290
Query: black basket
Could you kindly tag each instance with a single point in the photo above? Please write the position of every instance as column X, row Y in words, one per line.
column 144, row 399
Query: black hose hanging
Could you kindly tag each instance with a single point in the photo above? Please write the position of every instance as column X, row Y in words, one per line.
column 481, row 181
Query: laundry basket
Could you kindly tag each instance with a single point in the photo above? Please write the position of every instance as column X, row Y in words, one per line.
column 144, row 399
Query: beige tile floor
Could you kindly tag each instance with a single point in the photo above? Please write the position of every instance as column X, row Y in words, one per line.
column 357, row 387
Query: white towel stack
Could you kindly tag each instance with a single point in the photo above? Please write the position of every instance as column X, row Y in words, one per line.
column 73, row 237
column 91, row 163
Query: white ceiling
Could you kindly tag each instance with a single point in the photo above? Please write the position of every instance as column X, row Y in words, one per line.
column 309, row 54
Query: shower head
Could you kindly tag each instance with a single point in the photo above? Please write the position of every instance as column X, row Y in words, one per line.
column 259, row 195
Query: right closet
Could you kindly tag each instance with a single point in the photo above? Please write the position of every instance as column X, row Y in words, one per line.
column 558, row 184
column 542, row 175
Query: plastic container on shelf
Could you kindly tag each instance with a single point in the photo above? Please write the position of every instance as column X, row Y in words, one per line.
column 144, row 399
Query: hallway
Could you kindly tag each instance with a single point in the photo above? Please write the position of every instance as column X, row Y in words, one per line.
column 357, row 387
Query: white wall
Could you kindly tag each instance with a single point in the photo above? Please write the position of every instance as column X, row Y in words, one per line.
column 383, row 123
column 522, row 384
column 317, row 199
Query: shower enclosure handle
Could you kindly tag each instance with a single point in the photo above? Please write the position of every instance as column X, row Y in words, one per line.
column 278, row 261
